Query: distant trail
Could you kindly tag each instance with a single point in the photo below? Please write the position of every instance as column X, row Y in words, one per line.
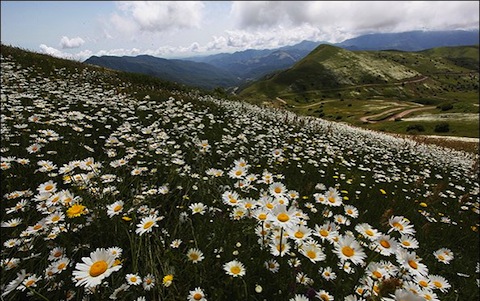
column 405, row 113
column 394, row 116
column 367, row 118
column 314, row 104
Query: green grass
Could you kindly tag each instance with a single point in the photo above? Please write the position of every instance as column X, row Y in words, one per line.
column 460, row 129
column 451, row 79
column 107, row 137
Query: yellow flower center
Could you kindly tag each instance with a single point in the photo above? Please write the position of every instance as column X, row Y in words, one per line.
column 61, row 266
column 283, row 217
column 238, row 173
column 277, row 190
column 197, row 296
column 377, row 274
column 148, row 225
column 262, row 216
column 324, row 297
column 385, row 244
column 299, row 234
column 98, row 268
column 194, row 256
column 311, row 254
column 133, row 279
column 369, row 232
column 441, row 257
column 347, row 251
column 324, row 233
column 413, row 264
column 48, row 187
column 398, row 226
column 37, row 227
column 29, row 283
column 233, row 201
column 406, row 243
column 235, row 270
column 117, row 208
column 423, row 283
column 269, row 205
column 437, row 284
column 331, row 199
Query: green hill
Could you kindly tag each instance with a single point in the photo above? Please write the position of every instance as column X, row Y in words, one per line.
column 432, row 92
column 329, row 71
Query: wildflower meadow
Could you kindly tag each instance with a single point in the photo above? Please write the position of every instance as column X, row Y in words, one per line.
column 120, row 191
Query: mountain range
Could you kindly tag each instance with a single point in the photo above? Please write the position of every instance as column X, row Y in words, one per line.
column 233, row 70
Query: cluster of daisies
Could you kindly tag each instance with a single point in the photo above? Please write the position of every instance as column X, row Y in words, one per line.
column 154, row 182
column 284, row 228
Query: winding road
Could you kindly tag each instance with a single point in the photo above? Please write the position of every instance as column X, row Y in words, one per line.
column 393, row 117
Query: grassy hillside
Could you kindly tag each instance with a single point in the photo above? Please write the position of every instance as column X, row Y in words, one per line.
column 342, row 85
column 128, row 188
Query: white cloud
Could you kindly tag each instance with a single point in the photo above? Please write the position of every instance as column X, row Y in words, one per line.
column 120, row 52
column 157, row 16
column 52, row 51
column 79, row 56
column 274, row 37
column 357, row 17
column 67, row 43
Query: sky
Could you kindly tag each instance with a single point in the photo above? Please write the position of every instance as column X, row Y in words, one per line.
column 175, row 29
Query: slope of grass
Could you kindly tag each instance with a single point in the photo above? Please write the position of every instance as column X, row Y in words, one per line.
column 345, row 80
column 108, row 191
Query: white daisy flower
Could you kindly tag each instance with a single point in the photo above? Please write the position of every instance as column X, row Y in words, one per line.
column 234, row 268
column 133, row 279
column 98, row 266
column 146, row 224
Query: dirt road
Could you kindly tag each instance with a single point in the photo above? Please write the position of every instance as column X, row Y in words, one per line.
column 405, row 113
column 393, row 116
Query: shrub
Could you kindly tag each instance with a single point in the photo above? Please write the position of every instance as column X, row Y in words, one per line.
column 442, row 127
column 445, row 106
column 415, row 128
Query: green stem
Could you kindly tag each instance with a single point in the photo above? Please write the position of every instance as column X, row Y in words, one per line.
column 281, row 238
column 38, row 294
column 245, row 287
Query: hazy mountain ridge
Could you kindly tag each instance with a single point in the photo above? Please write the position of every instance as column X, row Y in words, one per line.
column 411, row 41
column 229, row 70
column 190, row 73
